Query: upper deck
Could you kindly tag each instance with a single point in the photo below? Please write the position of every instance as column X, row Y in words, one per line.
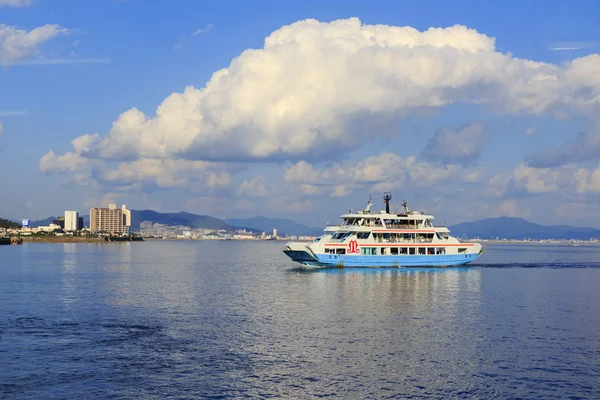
column 386, row 220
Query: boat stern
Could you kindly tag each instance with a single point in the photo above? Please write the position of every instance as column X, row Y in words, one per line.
column 477, row 248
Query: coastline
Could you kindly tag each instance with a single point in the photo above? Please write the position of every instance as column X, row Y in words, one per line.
column 70, row 239
column 82, row 239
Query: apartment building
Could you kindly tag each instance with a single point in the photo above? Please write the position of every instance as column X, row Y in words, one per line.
column 112, row 219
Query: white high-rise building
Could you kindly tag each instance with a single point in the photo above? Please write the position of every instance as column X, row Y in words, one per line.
column 126, row 219
column 274, row 232
column 71, row 218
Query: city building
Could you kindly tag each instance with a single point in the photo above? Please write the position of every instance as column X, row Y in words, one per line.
column 80, row 223
column 126, row 219
column 71, row 219
column 274, row 232
column 60, row 221
column 112, row 219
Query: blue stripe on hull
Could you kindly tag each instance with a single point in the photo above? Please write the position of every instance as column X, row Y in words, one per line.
column 395, row 261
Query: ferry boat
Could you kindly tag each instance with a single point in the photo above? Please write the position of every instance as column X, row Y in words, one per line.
column 384, row 239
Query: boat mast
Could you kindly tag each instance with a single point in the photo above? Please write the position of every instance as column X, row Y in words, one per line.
column 405, row 205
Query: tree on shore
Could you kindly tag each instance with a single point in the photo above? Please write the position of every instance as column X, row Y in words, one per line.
column 6, row 224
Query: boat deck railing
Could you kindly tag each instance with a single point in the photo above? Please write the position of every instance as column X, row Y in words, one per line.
column 402, row 240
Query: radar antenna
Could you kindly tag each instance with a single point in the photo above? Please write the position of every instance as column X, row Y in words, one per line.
column 386, row 199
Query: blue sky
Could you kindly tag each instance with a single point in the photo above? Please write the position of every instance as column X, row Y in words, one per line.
column 495, row 116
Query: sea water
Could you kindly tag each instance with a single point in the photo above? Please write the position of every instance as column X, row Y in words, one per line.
column 235, row 319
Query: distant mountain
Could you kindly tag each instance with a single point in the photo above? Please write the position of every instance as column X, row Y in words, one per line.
column 41, row 222
column 518, row 228
column 138, row 216
column 180, row 218
column 283, row 226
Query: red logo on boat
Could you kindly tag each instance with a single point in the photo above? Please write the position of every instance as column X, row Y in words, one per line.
column 353, row 247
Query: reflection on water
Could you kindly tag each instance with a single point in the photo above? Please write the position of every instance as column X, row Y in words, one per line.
column 237, row 319
column 68, row 274
column 398, row 289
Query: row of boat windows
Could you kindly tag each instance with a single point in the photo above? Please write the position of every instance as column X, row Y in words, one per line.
column 389, row 223
column 392, row 236
column 382, row 251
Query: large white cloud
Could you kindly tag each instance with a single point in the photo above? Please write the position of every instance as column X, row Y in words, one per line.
column 566, row 181
column 319, row 88
column 166, row 174
column 17, row 44
column 387, row 171
column 143, row 172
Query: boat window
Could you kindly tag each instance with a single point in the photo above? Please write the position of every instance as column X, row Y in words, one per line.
column 363, row 235
column 430, row 236
column 329, row 251
column 441, row 235
column 340, row 251
column 340, row 235
column 394, row 251
column 421, row 250
column 440, row 250
column 430, row 250
column 423, row 237
column 411, row 250
column 462, row 250
column 367, row 251
column 404, row 250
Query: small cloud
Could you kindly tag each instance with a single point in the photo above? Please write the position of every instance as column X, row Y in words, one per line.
column 564, row 48
column 462, row 146
column 200, row 30
column 15, row 3
column 179, row 43
column 65, row 61
column 582, row 148
column 531, row 130
column 107, row 198
column 17, row 45
column 185, row 38
column 12, row 113
column 571, row 46
column 510, row 208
